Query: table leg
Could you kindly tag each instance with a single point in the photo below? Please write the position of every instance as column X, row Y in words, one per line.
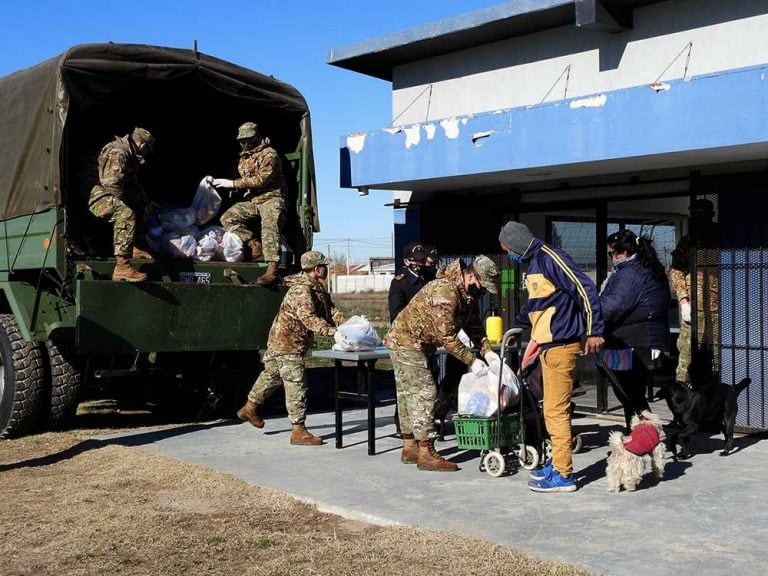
column 370, row 368
column 337, row 401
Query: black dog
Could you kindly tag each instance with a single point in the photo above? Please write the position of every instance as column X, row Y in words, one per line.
column 709, row 408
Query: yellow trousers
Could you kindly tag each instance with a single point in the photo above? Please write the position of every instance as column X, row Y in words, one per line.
column 558, row 368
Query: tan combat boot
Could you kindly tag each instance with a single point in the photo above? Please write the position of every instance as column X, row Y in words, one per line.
column 255, row 250
column 300, row 436
column 410, row 453
column 269, row 277
column 124, row 271
column 429, row 459
column 249, row 413
column 139, row 254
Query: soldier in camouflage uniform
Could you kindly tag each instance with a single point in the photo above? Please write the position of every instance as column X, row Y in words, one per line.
column 306, row 308
column 707, row 288
column 120, row 198
column 261, row 181
column 434, row 318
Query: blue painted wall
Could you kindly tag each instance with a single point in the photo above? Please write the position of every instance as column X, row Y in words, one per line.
column 707, row 112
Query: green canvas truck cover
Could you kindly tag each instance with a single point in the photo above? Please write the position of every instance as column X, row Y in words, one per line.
column 38, row 102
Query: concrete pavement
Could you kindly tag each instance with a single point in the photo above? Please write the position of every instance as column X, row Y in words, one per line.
column 708, row 516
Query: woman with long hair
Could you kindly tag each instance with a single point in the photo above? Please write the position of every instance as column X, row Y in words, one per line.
column 635, row 300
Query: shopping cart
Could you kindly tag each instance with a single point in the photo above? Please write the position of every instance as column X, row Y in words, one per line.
column 503, row 439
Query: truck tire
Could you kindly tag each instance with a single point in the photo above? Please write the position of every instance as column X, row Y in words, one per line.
column 65, row 380
column 21, row 380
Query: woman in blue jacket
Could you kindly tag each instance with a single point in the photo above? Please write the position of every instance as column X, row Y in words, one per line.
column 635, row 300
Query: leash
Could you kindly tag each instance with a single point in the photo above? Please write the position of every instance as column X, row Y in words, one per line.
column 615, row 381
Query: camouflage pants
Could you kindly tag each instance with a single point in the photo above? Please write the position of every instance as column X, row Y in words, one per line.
column 241, row 218
column 708, row 335
column 123, row 220
column 285, row 370
column 416, row 393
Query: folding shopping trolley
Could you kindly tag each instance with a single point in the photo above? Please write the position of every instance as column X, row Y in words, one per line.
column 507, row 434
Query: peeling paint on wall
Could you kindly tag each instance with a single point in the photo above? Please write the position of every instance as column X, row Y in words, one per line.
column 592, row 102
column 356, row 142
column 412, row 136
column 451, row 127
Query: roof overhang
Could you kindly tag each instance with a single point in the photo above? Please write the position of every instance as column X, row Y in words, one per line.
column 706, row 120
column 377, row 57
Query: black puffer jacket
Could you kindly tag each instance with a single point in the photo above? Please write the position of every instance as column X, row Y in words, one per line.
column 635, row 308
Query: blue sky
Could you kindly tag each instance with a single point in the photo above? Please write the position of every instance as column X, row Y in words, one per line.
column 288, row 39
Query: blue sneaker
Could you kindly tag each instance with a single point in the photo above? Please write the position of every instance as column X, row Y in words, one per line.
column 543, row 472
column 554, row 483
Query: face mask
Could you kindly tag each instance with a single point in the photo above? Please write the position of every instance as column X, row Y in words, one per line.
column 475, row 291
column 324, row 273
column 141, row 153
column 415, row 268
column 247, row 145
column 516, row 258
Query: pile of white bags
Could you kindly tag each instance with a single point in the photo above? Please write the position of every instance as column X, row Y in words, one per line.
column 356, row 335
column 177, row 232
column 481, row 396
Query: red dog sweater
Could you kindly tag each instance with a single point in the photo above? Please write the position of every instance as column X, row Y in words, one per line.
column 643, row 440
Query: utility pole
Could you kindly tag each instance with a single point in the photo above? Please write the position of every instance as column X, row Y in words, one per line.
column 330, row 271
column 347, row 256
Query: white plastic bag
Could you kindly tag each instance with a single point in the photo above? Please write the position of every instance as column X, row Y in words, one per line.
column 179, row 246
column 356, row 335
column 232, row 247
column 481, row 396
column 206, row 202
column 207, row 247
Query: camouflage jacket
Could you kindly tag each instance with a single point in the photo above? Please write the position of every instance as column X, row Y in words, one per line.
column 707, row 276
column 119, row 174
column 261, row 174
column 436, row 314
column 306, row 308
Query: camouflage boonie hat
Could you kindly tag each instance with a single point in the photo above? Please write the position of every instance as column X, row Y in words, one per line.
column 486, row 272
column 247, row 130
column 144, row 135
column 313, row 258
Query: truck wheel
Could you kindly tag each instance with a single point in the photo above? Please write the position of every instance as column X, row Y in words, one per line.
column 65, row 380
column 21, row 380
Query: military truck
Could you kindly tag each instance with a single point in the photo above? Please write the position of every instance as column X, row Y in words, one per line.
column 64, row 323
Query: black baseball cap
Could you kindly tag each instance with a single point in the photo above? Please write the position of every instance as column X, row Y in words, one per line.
column 415, row 251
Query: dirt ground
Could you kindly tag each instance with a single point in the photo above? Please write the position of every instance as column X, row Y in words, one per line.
column 72, row 505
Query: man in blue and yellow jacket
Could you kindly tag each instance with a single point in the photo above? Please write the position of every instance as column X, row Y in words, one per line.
column 563, row 305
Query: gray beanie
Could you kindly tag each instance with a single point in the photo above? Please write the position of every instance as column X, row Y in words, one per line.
column 516, row 237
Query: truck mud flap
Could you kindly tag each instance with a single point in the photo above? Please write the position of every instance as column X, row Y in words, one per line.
column 168, row 316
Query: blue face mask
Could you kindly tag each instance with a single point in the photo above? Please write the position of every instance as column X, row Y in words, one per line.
column 516, row 258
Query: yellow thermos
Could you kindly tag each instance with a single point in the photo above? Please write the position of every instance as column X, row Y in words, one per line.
column 494, row 328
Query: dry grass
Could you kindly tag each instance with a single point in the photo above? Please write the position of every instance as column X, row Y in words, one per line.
column 70, row 505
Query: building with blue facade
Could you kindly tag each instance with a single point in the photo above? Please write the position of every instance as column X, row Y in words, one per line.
column 581, row 117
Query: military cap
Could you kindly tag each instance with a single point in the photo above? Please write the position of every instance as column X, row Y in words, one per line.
column 431, row 251
column 486, row 272
column 414, row 251
column 313, row 258
column 143, row 135
column 247, row 130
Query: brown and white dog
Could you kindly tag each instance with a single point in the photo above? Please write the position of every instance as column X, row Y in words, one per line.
column 627, row 459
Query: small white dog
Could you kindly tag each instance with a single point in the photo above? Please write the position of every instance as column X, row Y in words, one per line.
column 626, row 462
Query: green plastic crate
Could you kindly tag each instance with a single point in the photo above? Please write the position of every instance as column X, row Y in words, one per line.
column 473, row 433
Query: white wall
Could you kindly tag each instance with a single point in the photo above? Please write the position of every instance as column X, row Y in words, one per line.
column 342, row 284
column 726, row 34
